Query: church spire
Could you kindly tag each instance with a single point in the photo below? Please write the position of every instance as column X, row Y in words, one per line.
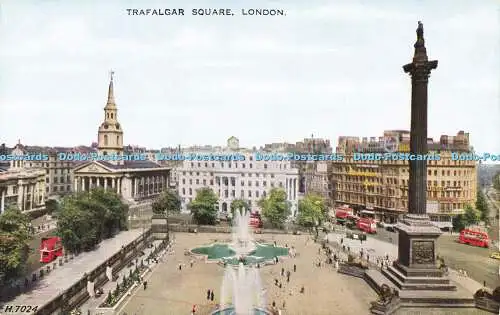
column 111, row 93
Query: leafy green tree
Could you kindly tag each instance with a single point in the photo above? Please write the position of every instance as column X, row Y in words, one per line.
column 86, row 218
column 15, row 234
column 312, row 209
column 239, row 204
column 204, row 206
column 168, row 201
column 496, row 182
column 482, row 206
column 52, row 206
column 114, row 213
column 470, row 217
column 275, row 207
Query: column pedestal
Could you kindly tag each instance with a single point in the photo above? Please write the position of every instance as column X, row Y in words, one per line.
column 416, row 268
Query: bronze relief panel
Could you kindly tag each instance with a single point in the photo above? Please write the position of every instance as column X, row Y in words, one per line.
column 423, row 252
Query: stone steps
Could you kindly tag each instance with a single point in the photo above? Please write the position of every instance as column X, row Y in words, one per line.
column 432, row 280
column 419, row 284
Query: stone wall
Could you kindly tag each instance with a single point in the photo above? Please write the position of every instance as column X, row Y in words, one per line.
column 216, row 229
column 77, row 293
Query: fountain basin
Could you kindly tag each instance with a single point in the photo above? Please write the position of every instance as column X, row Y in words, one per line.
column 230, row 311
column 225, row 253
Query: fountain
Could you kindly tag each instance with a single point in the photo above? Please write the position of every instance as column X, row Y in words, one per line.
column 241, row 292
column 242, row 248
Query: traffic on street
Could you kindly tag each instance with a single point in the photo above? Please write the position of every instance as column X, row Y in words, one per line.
column 476, row 261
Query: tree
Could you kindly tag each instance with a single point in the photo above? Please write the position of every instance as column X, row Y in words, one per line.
column 482, row 206
column 52, row 206
column 86, row 218
column 312, row 210
column 496, row 182
column 168, row 201
column 275, row 207
column 471, row 216
column 15, row 234
column 239, row 204
column 204, row 206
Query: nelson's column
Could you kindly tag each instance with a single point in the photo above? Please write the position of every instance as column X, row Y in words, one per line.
column 415, row 269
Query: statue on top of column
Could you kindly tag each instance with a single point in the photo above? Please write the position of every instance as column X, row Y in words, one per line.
column 420, row 30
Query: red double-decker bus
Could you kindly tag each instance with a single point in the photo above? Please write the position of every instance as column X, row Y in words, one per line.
column 255, row 220
column 50, row 249
column 474, row 237
column 367, row 225
column 342, row 214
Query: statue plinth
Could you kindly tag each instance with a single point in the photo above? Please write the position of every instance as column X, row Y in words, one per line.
column 416, row 267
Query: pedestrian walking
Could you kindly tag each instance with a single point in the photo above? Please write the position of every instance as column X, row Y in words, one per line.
column 145, row 284
column 294, row 268
column 180, row 267
column 208, row 294
column 212, row 296
column 193, row 310
column 282, row 272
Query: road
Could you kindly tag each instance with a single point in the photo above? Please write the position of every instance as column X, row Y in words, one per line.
column 474, row 260
column 491, row 198
column 48, row 229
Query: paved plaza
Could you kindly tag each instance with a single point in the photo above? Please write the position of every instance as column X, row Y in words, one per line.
column 63, row 277
column 173, row 292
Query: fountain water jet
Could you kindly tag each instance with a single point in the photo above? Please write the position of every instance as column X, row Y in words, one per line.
column 241, row 292
column 242, row 241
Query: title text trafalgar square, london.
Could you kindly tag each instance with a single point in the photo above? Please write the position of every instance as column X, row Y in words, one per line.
column 206, row 12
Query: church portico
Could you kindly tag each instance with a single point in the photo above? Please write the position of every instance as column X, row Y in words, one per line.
column 133, row 180
column 136, row 184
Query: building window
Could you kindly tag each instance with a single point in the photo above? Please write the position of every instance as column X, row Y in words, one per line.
column 264, row 183
column 192, row 164
column 226, row 193
column 229, row 165
column 233, row 193
column 250, row 165
column 211, row 182
column 190, row 182
column 256, row 184
column 242, row 183
column 204, row 182
column 199, row 164
column 242, row 193
column 233, row 181
column 184, row 181
column 105, row 139
column 183, row 191
column 190, row 191
column 217, row 180
column 206, row 164
column 257, row 194
column 265, row 166
column 197, row 181
column 249, row 193
column 222, row 164
column 249, row 184
column 264, row 193
column 243, row 165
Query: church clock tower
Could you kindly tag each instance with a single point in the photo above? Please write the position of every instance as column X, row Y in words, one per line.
column 110, row 134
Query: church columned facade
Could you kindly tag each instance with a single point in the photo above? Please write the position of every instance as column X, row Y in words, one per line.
column 134, row 180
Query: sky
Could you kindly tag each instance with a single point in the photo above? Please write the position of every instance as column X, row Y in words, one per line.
column 327, row 68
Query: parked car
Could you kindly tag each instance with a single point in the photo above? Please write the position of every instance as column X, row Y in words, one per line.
column 390, row 227
column 495, row 255
column 355, row 235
